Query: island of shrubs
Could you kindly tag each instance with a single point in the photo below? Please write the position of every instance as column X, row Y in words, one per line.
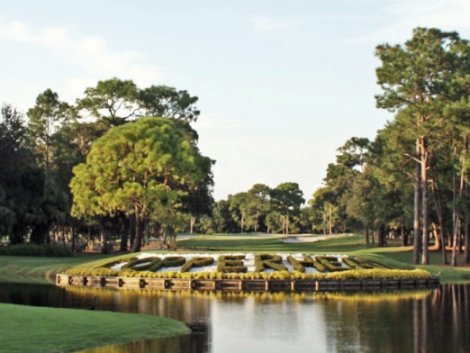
column 266, row 266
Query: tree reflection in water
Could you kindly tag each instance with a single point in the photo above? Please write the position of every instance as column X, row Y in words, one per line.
column 418, row 321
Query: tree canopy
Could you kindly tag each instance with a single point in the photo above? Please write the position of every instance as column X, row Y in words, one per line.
column 143, row 168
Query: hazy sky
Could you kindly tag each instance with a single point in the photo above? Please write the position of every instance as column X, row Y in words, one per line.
column 281, row 84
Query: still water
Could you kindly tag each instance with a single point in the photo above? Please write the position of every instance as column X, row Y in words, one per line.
column 416, row 321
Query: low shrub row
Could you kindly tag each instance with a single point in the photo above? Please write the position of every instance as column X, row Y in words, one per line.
column 231, row 264
column 372, row 274
column 35, row 250
column 145, row 264
column 99, row 271
column 299, row 265
column 330, row 263
column 268, row 261
column 197, row 262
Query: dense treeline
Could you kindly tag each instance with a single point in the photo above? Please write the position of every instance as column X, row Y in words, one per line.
column 412, row 180
column 80, row 172
column 56, row 163
column 260, row 209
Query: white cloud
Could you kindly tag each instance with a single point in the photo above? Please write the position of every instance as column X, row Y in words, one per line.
column 89, row 53
column 267, row 24
column 443, row 14
column 400, row 17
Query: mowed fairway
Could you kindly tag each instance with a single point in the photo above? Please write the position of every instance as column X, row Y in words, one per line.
column 395, row 255
column 28, row 329
column 269, row 243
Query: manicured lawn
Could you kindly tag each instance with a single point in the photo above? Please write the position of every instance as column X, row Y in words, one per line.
column 27, row 269
column 26, row 329
column 42, row 270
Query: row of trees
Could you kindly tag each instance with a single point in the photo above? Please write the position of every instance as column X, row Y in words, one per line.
column 63, row 149
column 260, row 209
column 413, row 179
column 131, row 175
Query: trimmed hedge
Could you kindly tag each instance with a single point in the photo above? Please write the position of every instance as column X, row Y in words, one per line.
column 31, row 249
column 146, row 264
column 173, row 261
column 331, row 263
column 231, row 264
column 299, row 265
column 197, row 262
column 339, row 276
column 99, row 271
column 269, row 261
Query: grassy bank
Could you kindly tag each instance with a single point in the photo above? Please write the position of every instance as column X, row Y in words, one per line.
column 42, row 270
column 26, row 269
column 394, row 254
column 32, row 329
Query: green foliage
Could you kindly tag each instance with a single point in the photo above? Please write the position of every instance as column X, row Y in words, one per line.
column 331, row 263
column 173, row 261
column 231, row 263
column 99, row 271
column 36, row 250
column 197, row 262
column 281, row 274
column 143, row 168
column 268, row 261
column 295, row 264
column 144, row 264
column 299, row 265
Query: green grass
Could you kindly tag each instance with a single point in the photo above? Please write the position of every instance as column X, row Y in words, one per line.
column 27, row 329
column 42, row 270
column 394, row 255
column 27, row 269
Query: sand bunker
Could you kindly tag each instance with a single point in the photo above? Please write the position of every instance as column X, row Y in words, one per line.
column 306, row 238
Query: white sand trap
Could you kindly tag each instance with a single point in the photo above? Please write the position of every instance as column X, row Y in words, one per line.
column 306, row 238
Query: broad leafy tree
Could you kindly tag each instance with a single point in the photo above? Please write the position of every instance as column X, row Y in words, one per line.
column 287, row 198
column 143, row 168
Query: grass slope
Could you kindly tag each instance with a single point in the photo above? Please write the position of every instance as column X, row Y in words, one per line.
column 27, row 329
column 42, row 270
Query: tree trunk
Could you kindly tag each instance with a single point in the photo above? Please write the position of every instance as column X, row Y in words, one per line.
column 132, row 228
column 287, row 223
column 416, row 228
column 125, row 228
column 192, row 222
column 73, row 238
column 403, row 236
column 102, row 235
column 439, row 208
column 424, row 194
column 466, row 233
column 139, row 230
column 331, row 223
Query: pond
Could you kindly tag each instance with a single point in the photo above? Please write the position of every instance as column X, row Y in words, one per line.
column 411, row 321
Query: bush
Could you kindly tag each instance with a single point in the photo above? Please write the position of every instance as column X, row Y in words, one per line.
column 30, row 249
column 197, row 262
column 173, row 261
column 330, row 263
column 99, row 271
column 296, row 264
column 231, row 263
column 145, row 264
column 274, row 262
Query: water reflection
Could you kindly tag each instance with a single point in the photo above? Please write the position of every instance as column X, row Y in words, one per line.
column 420, row 321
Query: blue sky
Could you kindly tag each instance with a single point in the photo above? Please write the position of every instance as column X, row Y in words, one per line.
column 281, row 84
